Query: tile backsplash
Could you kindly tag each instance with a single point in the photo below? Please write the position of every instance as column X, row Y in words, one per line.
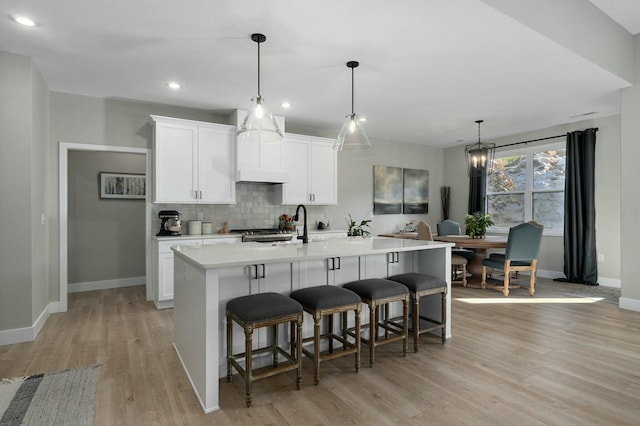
column 255, row 207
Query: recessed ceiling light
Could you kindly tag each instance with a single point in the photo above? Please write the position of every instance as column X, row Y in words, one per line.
column 23, row 20
column 362, row 119
column 285, row 105
column 174, row 85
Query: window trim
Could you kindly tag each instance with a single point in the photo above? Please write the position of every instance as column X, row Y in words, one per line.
column 528, row 202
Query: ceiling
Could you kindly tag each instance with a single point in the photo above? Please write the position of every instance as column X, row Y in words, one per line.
column 428, row 68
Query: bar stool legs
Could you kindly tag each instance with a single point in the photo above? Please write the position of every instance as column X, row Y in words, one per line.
column 377, row 292
column 322, row 302
column 257, row 311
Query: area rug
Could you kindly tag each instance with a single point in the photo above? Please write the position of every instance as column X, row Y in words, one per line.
column 60, row 398
column 608, row 294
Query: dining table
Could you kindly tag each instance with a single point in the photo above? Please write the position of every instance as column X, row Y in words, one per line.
column 479, row 246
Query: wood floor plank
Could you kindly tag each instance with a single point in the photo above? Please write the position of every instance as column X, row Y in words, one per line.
column 508, row 363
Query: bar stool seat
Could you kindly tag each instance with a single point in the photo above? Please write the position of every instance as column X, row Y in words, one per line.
column 376, row 292
column 326, row 300
column 420, row 285
column 263, row 310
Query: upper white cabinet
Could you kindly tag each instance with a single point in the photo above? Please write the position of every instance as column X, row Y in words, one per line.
column 259, row 162
column 194, row 161
column 312, row 165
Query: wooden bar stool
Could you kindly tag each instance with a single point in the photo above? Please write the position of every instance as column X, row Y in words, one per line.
column 263, row 310
column 326, row 300
column 420, row 285
column 376, row 292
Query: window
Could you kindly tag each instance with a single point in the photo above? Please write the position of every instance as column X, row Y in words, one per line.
column 528, row 185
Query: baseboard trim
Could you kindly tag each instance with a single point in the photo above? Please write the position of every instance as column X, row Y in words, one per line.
column 604, row 281
column 25, row 334
column 105, row 284
column 629, row 304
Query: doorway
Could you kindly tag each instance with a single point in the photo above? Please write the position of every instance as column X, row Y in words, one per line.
column 65, row 149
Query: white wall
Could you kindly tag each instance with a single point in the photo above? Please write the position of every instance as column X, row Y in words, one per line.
column 355, row 188
column 607, row 194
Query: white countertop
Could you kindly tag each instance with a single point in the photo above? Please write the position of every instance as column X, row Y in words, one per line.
column 235, row 254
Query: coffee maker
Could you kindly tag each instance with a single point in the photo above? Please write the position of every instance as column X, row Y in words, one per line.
column 170, row 223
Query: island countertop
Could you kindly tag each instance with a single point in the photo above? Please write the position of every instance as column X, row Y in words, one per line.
column 234, row 254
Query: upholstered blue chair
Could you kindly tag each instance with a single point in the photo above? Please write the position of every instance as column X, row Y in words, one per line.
column 523, row 246
column 451, row 227
column 459, row 256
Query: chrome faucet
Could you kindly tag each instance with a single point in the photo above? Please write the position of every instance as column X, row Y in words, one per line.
column 305, row 233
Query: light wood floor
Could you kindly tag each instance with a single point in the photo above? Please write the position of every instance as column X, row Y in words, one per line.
column 507, row 364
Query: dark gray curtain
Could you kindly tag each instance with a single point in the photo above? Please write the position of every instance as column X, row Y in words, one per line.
column 477, row 193
column 445, row 198
column 580, row 257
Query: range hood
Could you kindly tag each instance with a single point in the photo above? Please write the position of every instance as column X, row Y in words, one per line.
column 259, row 162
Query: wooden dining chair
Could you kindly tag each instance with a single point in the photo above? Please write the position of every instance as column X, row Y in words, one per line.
column 458, row 263
column 523, row 246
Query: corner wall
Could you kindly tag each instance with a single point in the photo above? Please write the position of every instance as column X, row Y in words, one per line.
column 23, row 158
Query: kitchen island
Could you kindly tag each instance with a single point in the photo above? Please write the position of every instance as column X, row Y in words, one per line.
column 206, row 277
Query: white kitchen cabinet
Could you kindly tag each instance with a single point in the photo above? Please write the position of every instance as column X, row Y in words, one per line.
column 163, row 265
column 332, row 271
column 385, row 265
column 194, row 162
column 259, row 162
column 163, row 271
column 312, row 165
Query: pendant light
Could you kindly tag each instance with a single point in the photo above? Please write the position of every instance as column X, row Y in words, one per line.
column 479, row 156
column 259, row 125
column 352, row 136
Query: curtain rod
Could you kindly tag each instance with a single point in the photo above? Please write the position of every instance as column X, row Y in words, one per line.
column 536, row 140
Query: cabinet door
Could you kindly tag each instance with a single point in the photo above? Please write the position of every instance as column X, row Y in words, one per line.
column 323, row 171
column 165, row 277
column 376, row 265
column 174, row 155
column 345, row 270
column 296, row 155
column 216, row 165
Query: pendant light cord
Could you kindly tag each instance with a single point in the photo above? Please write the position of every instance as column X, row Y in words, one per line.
column 352, row 91
column 259, row 70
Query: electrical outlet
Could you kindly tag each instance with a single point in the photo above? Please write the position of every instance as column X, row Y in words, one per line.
column 601, row 258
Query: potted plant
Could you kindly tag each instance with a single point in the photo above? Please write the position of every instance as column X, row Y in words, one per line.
column 358, row 230
column 477, row 224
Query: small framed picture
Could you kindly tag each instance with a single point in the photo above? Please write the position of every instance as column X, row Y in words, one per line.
column 123, row 186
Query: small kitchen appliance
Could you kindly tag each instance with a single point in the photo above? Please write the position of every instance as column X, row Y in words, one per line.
column 170, row 223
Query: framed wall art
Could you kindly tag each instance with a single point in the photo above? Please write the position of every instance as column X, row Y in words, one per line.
column 387, row 190
column 122, row 186
column 415, row 199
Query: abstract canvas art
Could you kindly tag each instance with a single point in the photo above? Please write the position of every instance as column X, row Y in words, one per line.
column 416, row 191
column 387, row 190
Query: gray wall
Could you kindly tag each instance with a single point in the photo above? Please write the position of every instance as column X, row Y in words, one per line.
column 23, row 240
column 106, row 237
column 89, row 120
column 630, row 209
column 607, row 193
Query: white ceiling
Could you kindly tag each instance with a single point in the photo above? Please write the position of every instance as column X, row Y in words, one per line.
column 428, row 68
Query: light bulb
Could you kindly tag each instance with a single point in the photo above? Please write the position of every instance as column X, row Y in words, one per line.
column 259, row 113
column 352, row 125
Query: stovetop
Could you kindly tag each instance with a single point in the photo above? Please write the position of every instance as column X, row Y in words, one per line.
column 263, row 234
